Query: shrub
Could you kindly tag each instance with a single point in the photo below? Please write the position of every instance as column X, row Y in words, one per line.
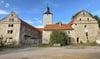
column 58, row 37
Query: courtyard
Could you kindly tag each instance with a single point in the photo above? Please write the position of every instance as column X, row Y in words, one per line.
column 91, row 52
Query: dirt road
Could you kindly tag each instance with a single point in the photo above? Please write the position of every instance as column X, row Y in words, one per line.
column 51, row 53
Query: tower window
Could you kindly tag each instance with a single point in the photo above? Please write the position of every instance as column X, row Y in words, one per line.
column 10, row 31
column 10, row 25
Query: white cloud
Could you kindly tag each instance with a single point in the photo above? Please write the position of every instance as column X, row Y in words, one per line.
column 1, row 2
column 7, row 5
column 96, row 12
column 3, row 12
column 40, row 26
column 4, row 4
column 28, row 21
column 36, row 22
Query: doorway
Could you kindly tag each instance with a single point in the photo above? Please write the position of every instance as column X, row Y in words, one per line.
column 77, row 39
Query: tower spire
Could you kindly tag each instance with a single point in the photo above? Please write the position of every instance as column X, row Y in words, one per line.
column 47, row 10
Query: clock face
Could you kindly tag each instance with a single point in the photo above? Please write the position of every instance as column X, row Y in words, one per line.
column 86, row 30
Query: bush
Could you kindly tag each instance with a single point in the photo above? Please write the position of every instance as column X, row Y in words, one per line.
column 82, row 43
column 93, row 43
column 58, row 37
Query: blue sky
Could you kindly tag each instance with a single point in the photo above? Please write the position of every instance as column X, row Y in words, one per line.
column 32, row 11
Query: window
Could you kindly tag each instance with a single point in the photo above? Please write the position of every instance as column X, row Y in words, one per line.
column 11, row 20
column 10, row 31
column 84, row 26
column 88, row 19
column 80, row 19
column 10, row 38
column 11, row 14
column 68, row 32
column 75, row 24
column 83, row 13
column 10, row 25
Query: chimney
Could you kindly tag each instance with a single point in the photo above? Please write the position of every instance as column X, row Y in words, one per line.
column 60, row 23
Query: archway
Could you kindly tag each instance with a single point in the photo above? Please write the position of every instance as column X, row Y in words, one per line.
column 77, row 39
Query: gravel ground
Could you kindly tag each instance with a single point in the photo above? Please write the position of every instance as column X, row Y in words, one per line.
column 51, row 53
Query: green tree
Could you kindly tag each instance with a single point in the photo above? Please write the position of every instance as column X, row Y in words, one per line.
column 97, row 18
column 58, row 36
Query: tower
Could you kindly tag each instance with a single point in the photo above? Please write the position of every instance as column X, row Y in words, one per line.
column 47, row 16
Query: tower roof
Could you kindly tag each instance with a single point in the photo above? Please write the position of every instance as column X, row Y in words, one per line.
column 47, row 10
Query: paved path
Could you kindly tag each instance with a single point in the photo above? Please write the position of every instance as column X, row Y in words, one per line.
column 50, row 53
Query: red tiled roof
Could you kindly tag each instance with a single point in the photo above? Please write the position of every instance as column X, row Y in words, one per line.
column 40, row 29
column 71, row 22
column 57, row 26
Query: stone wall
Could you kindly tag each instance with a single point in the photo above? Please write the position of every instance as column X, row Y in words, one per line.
column 10, row 29
column 82, row 24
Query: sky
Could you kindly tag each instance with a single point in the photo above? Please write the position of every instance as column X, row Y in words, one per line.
column 32, row 11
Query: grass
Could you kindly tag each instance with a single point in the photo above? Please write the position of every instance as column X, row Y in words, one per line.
column 13, row 47
column 81, row 45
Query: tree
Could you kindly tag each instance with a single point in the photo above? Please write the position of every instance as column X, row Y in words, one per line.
column 2, row 41
column 58, row 37
column 97, row 18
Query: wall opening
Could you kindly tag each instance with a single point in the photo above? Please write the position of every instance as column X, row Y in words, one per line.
column 77, row 39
